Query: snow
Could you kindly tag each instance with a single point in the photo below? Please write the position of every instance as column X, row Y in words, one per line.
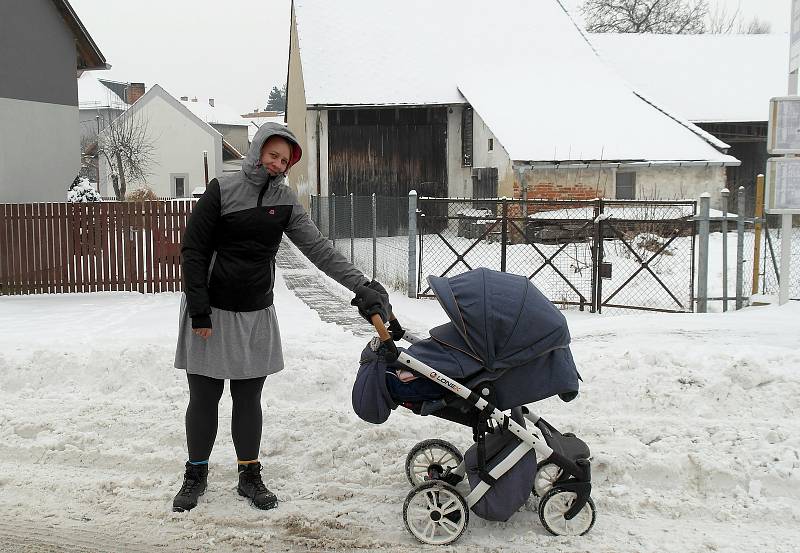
column 218, row 113
column 704, row 78
column 522, row 65
column 94, row 94
column 254, row 123
column 691, row 421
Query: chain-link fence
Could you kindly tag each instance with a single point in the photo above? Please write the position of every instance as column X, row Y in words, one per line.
column 548, row 242
column 596, row 254
column 370, row 231
column 771, row 258
column 647, row 255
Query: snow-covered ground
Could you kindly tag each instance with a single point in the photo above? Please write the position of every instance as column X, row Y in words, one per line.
column 692, row 420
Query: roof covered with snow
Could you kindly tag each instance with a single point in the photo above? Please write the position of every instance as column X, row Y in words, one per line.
column 254, row 123
column 524, row 66
column 217, row 113
column 94, row 94
column 705, row 78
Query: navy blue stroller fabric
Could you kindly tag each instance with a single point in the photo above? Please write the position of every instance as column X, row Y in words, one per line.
column 502, row 329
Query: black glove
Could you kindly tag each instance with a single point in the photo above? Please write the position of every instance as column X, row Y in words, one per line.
column 388, row 350
column 371, row 299
column 396, row 330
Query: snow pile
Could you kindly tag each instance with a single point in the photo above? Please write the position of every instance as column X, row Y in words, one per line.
column 81, row 190
column 691, row 421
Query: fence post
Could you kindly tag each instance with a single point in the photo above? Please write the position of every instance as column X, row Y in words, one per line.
column 702, row 265
column 597, row 257
column 759, row 213
column 352, row 227
column 412, row 244
column 740, row 248
column 374, row 234
column 504, row 236
column 332, row 218
column 311, row 211
column 725, row 193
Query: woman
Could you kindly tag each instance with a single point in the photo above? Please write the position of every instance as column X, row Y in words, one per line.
column 228, row 326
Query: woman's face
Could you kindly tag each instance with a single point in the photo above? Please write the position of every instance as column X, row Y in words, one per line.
column 275, row 155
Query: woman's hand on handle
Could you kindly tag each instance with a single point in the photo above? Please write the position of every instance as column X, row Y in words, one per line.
column 372, row 299
column 388, row 348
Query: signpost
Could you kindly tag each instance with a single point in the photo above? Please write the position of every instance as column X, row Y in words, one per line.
column 783, row 175
column 794, row 47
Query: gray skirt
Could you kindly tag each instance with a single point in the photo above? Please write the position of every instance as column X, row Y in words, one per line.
column 242, row 344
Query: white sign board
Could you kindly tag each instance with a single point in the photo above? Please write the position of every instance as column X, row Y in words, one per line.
column 794, row 47
column 783, row 133
column 783, row 185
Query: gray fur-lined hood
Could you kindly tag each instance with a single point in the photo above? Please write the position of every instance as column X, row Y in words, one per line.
column 251, row 166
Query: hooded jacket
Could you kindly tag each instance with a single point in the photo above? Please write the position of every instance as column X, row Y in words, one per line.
column 234, row 232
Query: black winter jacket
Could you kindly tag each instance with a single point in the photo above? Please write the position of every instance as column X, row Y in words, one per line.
column 234, row 232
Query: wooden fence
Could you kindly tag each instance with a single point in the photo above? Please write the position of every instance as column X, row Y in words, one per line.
column 90, row 247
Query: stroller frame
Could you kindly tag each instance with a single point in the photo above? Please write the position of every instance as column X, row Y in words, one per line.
column 576, row 475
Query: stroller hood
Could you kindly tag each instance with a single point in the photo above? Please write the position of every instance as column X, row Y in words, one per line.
column 502, row 319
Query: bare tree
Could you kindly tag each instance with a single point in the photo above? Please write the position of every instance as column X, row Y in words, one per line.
column 127, row 147
column 723, row 22
column 89, row 157
column 645, row 16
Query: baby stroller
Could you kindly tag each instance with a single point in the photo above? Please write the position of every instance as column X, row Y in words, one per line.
column 505, row 346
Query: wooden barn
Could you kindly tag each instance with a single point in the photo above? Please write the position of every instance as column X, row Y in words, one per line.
column 464, row 98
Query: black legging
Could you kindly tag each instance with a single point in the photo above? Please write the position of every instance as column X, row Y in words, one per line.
column 201, row 416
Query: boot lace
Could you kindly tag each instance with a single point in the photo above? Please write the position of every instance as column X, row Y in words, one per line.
column 189, row 484
column 257, row 482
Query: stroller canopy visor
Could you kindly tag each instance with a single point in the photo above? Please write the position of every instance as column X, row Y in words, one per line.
column 502, row 319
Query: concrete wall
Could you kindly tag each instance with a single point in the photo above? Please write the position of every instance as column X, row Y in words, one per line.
column 652, row 183
column 179, row 144
column 38, row 61
column 39, row 150
column 317, row 123
column 296, row 118
column 235, row 135
column 460, row 177
column 39, row 138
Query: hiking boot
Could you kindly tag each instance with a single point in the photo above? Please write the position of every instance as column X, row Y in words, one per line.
column 194, row 485
column 251, row 485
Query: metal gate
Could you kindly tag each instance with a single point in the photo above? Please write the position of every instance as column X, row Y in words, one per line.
column 587, row 253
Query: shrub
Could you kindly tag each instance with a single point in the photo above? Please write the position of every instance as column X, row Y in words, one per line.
column 141, row 194
column 81, row 190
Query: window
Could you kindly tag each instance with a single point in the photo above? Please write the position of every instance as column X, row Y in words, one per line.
column 466, row 137
column 180, row 184
column 626, row 186
column 491, row 144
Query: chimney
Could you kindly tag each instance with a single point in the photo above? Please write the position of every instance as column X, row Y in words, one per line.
column 134, row 92
column 184, row 98
column 211, row 102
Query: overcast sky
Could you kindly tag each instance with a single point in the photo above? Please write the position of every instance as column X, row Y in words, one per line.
column 236, row 51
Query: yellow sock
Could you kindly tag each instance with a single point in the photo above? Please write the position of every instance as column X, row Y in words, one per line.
column 247, row 462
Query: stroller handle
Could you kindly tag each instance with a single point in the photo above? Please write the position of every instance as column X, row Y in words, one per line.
column 377, row 322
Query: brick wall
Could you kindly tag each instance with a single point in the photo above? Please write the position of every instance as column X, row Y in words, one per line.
column 564, row 184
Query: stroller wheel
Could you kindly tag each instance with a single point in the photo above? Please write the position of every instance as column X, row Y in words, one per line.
column 546, row 475
column 435, row 513
column 429, row 459
column 555, row 504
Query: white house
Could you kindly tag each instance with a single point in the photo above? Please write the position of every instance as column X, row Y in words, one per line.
column 181, row 144
column 466, row 98
column 224, row 119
